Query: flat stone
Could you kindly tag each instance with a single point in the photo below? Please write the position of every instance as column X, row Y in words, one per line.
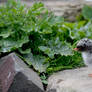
column 10, row 66
column 76, row 80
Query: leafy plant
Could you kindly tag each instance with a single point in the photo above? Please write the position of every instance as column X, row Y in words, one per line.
column 43, row 40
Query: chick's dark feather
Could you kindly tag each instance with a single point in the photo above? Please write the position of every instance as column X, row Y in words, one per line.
column 85, row 44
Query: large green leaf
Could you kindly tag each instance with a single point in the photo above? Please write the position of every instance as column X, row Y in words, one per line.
column 59, row 47
column 10, row 44
column 37, row 61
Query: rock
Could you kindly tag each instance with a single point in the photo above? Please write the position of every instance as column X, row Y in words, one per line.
column 76, row 80
column 7, row 73
column 3, row 1
column 20, row 66
column 22, row 84
column 10, row 66
column 51, row 90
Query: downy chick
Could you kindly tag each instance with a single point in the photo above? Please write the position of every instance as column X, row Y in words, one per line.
column 85, row 47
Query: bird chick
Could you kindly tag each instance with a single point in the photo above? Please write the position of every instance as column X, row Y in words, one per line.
column 85, row 47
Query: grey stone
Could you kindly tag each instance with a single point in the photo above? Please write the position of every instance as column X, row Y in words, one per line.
column 7, row 73
column 3, row 1
column 11, row 65
column 22, row 84
column 52, row 90
column 76, row 80
column 20, row 66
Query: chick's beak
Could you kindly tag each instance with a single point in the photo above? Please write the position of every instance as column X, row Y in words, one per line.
column 76, row 49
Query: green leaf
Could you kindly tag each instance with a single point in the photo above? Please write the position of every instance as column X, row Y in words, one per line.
column 37, row 61
column 10, row 44
column 53, row 20
column 59, row 47
column 45, row 82
column 74, row 34
column 6, row 32
column 24, row 51
column 59, row 19
column 47, row 51
column 87, row 12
